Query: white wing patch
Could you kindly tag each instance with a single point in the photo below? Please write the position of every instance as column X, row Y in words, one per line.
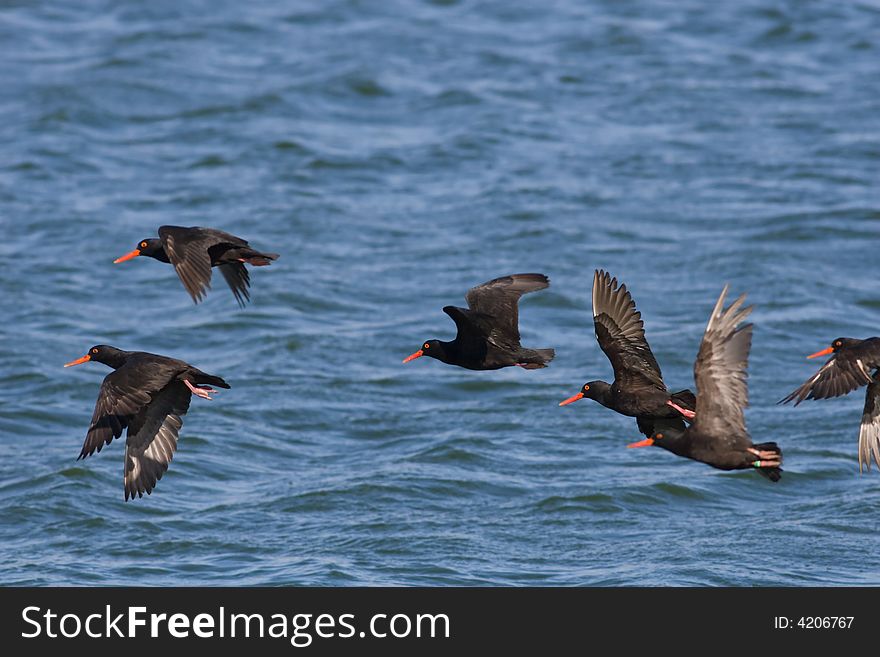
column 869, row 430
column 869, row 443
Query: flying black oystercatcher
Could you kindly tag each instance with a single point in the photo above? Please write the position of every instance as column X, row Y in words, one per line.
column 488, row 330
column 638, row 389
column 850, row 367
column 194, row 250
column 718, row 435
column 148, row 394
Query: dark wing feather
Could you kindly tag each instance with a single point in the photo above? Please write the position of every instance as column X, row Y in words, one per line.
column 838, row 376
column 209, row 236
column 187, row 249
column 152, row 439
column 473, row 328
column 499, row 299
column 238, row 280
column 869, row 431
column 118, row 402
column 217, row 236
column 621, row 335
column 720, row 374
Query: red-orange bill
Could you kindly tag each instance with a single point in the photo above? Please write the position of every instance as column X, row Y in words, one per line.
column 571, row 399
column 79, row 361
column 647, row 442
column 418, row 354
column 824, row 352
column 127, row 256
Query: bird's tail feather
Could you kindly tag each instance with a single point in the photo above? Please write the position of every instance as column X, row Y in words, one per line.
column 211, row 380
column 258, row 259
column 539, row 358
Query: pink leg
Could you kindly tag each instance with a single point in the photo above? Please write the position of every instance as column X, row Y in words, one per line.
column 767, row 464
column 200, row 391
column 768, row 458
column 688, row 414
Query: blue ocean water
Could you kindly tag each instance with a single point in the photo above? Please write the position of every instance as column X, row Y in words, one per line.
column 396, row 153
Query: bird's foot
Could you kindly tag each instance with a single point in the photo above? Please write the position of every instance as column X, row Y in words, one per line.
column 688, row 414
column 256, row 261
column 201, row 391
column 767, row 459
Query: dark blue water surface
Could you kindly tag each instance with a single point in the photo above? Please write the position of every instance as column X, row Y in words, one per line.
column 396, row 153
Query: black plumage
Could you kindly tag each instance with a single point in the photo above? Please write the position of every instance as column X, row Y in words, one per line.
column 718, row 435
column 850, row 366
column 193, row 251
column 147, row 394
column 854, row 363
column 488, row 329
column 638, row 389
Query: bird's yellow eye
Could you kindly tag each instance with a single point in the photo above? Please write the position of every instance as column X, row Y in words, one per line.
column 659, row 435
column 94, row 351
column 837, row 344
column 143, row 245
column 586, row 387
column 427, row 346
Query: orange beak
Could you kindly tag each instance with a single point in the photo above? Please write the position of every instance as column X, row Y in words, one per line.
column 127, row 256
column 824, row 352
column 574, row 398
column 418, row 354
column 78, row 361
column 647, row 442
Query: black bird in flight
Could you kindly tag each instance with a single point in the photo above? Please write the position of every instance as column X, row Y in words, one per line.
column 718, row 435
column 853, row 364
column 194, row 251
column 148, row 394
column 488, row 329
column 638, row 389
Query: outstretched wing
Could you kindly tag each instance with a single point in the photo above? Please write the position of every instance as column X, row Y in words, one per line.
column 621, row 335
column 499, row 299
column 118, row 402
column 838, row 376
column 238, row 280
column 123, row 394
column 869, row 431
column 187, row 249
column 473, row 328
column 152, row 438
column 720, row 373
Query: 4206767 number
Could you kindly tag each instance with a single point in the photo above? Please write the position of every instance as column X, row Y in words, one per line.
column 813, row 622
